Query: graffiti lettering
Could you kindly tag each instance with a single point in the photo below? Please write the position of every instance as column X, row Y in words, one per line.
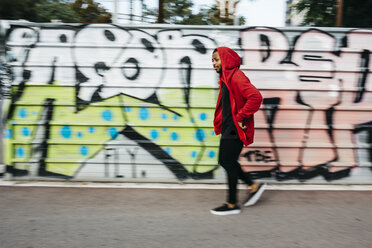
column 259, row 156
column 127, row 102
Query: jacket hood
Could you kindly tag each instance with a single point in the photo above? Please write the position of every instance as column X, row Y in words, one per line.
column 230, row 62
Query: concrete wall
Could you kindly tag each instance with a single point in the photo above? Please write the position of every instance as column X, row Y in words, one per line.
column 98, row 102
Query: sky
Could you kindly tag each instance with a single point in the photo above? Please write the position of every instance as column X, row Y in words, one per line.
column 256, row 12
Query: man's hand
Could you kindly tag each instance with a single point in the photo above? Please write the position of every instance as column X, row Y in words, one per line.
column 241, row 125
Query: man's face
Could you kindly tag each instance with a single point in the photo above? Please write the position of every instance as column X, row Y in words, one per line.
column 216, row 62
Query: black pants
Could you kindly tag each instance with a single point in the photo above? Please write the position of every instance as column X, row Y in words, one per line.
column 228, row 159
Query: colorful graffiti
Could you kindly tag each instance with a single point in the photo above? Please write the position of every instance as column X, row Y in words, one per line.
column 106, row 101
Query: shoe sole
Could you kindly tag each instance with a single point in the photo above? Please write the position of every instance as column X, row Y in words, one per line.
column 236, row 211
column 257, row 196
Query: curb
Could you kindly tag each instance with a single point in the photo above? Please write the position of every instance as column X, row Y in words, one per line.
column 304, row 187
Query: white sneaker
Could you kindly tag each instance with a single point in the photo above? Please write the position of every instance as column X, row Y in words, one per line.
column 253, row 197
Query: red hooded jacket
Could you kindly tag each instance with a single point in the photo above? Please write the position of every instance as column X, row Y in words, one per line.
column 245, row 99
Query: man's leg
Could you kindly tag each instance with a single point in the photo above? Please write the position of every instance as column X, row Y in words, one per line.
column 244, row 177
column 256, row 188
column 227, row 158
column 228, row 155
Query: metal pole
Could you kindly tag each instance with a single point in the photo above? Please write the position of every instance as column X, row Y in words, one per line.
column 340, row 6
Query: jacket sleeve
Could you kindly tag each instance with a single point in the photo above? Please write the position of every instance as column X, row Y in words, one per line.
column 252, row 96
column 217, row 122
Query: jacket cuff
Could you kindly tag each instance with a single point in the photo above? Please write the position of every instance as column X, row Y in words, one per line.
column 239, row 118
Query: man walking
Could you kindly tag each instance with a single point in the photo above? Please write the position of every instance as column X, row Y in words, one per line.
column 237, row 101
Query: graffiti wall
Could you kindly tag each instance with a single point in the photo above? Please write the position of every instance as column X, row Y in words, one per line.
column 137, row 102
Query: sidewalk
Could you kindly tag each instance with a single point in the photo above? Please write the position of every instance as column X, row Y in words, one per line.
column 63, row 215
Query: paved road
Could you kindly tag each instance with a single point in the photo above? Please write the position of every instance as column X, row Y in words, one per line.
column 33, row 217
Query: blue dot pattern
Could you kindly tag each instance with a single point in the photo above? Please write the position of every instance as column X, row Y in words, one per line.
column 164, row 116
column 154, row 134
column 20, row 152
column 193, row 154
column 127, row 109
column 22, row 113
column 200, row 134
column 8, row 133
column 84, row 150
column 66, row 132
column 91, row 129
column 211, row 154
column 143, row 114
column 107, row 115
column 203, row 116
column 26, row 131
column 174, row 136
column 113, row 132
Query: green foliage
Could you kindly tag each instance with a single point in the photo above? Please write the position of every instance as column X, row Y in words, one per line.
column 19, row 9
column 90, row 12
column 46, row 10
column 322, row 13
column 175, row 11
column 50, row 10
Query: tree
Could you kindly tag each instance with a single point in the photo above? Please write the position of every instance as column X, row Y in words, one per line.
column 179, row 12
column 90, row 12
column 211, row 16
column 322, row 13
column 47, row 11
column 19, row 9
column 173, row 12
